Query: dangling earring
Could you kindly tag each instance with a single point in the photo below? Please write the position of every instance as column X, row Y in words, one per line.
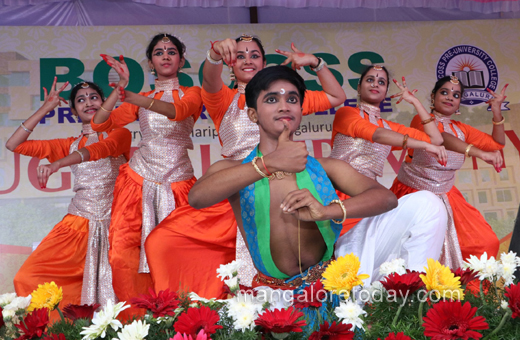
column 231, row 74
column 457, row 112
column 152, row 71
column 432, row 105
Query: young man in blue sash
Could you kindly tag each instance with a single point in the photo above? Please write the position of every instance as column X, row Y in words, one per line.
column 284, row 200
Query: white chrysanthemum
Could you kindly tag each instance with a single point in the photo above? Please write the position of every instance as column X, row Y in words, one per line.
column 350, row 312
column 395, row 266
column 372, row 293
column 19, row 302
column 227, row 271
column 510, row 258
column 507, row 271
column 6, row 299
column 504, row 304
column 232, row 283
column 194, row 297
column 243, row 303
column 104, row 319
column 246, row 320
column 137, row 330
column 276, row 298
column 486, row 268
column 8, row 314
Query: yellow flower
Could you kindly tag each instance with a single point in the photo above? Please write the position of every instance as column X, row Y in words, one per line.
column 442, row 281
column 47, row 295
column 342, row 275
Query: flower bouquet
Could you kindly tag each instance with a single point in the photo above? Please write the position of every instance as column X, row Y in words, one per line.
column 479, row 301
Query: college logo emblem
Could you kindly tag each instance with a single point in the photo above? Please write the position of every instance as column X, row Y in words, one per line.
column 474, row 68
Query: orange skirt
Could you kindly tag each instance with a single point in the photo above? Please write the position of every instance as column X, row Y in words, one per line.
column 125, row 234
column 186, row 248
column 60, row 257
column 475, row 235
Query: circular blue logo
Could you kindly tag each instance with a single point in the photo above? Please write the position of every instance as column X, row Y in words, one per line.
column 474, row 68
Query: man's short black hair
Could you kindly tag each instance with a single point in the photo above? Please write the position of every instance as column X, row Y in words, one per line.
column 264, row 78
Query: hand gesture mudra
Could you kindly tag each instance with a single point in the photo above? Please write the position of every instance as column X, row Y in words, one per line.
column 404, row 93
column 119, row 66
column 497, row 99
column 298, row 59
column 52, row 98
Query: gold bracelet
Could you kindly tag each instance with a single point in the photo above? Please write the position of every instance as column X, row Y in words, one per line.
column 500, row 122
column 102, row 108
column 342, row 209
column 426, row 121
column 258, row 169
column 81, row 155
column 405, row 142
column 467, row 150
column 150, row 106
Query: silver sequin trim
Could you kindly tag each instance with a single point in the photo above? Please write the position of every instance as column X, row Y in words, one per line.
column 94, row 186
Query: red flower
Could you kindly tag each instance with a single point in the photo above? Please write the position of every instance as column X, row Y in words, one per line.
column 452, row 320
column 513, row 294
column 474, row 287
column 200, row 336
column 2, row 323
column 162, row 304
column 398, row 336
column 75, row 312
column 34, row 324
column 196, row 319
column 55, row 337
column 335, row 331
column 466, row 275
column 311, row 296
column 403, row 285
column 281, row 321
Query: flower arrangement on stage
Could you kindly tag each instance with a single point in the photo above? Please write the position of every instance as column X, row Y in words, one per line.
column 479, row 301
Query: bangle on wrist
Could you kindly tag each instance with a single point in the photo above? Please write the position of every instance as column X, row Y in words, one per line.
column 211, row 60
column 466, row 153
column 342, row 209
column 500, row 122
column 102, row 108
column 320, row 66
column 81, row 155
column 151, row 103
column 258, row 169
column 405, row 142
column 212, row 46
column 426, row 121
column 268, row 172
column 24, row 128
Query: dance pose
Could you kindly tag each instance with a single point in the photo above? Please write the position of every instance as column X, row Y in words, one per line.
column 284, row 200
column 75, row 253
column 159, row 175
column 238, row 136
column 363, row 139
column 421, row 172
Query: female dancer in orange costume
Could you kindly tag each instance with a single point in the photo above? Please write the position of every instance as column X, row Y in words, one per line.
column 363, row 139
column 178, row 260
column 75, row 253
column 159, row 175
column 419, row 172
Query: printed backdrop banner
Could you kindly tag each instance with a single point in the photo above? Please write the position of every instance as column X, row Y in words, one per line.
column 483, row 54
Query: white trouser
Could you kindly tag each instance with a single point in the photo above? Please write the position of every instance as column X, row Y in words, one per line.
column 414, row 231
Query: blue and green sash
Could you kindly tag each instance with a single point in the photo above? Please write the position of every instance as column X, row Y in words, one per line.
column 255, row 209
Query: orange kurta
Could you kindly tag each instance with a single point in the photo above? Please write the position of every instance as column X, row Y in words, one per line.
column 127, row 212
column 349, row 122
column 60, row 257
column 475, row 235
column 199, row 241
